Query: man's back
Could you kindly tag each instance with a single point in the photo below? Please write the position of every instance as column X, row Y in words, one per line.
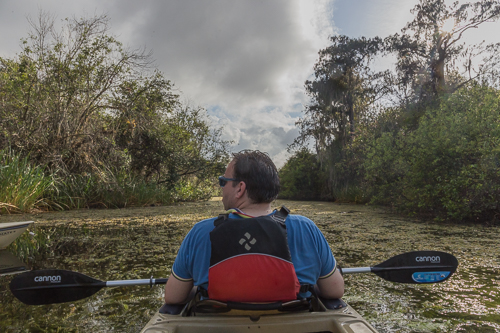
column 311, row 255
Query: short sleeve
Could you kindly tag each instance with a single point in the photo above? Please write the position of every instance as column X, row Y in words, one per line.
column 181, row 268
column 311, row 254
column 193, row 259
column 328, row 262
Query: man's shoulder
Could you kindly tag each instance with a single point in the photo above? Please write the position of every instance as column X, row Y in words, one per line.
column 300, row 219
column 300, row 222
column 204, row 224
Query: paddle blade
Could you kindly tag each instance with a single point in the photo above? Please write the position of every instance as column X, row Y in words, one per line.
column 53, row 286
column 418, row 267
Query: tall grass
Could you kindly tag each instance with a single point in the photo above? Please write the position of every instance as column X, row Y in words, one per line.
column 120, row 189
column 106, row 189
column 22, row 185
column 195, row 189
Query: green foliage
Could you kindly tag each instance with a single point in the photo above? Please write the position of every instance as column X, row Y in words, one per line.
column 301, row 178
column 22, row 185
column 419, row 138
column 105, row 126
column 449, row 166
column 343, row 90
column 57, row 93
column 196, row 189
column 109, row 189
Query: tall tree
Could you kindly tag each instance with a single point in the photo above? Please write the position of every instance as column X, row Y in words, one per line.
column 344, row 88
column 431, row 46
column 62, row 87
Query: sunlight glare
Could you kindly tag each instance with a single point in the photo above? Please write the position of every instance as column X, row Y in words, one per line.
column 448, row 25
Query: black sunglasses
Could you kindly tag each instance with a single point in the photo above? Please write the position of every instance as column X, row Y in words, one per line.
column 223, row 180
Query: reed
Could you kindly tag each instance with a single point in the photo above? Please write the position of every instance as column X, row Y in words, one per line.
column 22, row 185
column 107, row 189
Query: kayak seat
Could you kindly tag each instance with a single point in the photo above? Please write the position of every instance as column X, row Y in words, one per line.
column 172, row 309
column 213, row 306
column 333, row 304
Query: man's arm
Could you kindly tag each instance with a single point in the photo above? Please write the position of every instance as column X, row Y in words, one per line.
column 332, row 286
column 177, row 291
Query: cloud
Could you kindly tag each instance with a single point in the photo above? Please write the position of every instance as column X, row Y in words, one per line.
column 245, row 61
column 230, row 53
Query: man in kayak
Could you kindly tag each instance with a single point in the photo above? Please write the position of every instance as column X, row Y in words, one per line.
column 249, row 186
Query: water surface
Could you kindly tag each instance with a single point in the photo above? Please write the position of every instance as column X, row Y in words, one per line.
column 136, row 243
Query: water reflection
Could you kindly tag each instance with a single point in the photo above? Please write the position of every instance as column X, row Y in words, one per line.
column 10, row 264
column 138, row 243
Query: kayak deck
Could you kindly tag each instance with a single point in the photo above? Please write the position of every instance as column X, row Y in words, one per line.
column 342, row 320
column 10, row 231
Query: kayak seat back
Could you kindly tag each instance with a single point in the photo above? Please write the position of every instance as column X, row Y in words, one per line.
column 173, row 309
column 213, row 306
column 333, row 304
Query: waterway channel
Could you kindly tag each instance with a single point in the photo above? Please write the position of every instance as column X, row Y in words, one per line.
column 136, row 243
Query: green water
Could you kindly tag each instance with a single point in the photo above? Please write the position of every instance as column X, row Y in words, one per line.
column 138, row 243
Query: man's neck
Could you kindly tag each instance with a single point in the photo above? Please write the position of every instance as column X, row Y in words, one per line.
column 256, row 209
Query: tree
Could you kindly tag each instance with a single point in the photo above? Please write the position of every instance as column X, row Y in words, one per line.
column 430, row 47
column 448, row 166
column 61, row 89
column 342, row 88
column 343, row 91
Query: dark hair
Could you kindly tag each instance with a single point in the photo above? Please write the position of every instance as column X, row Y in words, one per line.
column 259, row 173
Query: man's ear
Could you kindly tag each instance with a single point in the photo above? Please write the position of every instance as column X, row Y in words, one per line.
column 242, row 187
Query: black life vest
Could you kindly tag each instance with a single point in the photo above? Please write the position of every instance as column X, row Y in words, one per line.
column 251, row 261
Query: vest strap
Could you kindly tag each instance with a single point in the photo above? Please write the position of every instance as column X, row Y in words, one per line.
column 222, row 218
column 281, row 215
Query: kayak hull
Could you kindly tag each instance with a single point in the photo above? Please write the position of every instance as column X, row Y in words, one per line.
column 10, row 264
column 10, row 231
column 343, row 320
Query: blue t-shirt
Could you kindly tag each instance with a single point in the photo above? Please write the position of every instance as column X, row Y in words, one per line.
column 311, row 255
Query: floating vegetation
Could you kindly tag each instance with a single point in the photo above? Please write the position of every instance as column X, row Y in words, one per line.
column 31, row 243
column 139, row 242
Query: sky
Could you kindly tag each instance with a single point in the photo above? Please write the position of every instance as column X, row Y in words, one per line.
column 244, row 61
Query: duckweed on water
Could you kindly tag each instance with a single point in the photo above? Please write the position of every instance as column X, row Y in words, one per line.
column 140, row 242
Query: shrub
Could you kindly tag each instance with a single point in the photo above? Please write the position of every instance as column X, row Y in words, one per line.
column 301, row 178
column 449, row 166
